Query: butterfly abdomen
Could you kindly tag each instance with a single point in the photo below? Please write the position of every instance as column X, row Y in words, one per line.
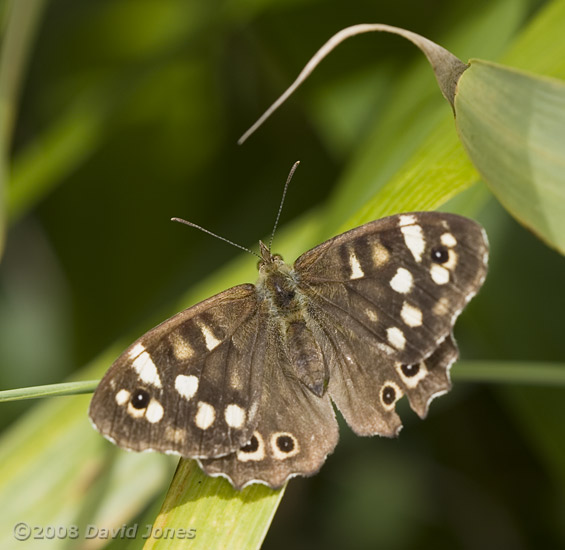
column 306, row 358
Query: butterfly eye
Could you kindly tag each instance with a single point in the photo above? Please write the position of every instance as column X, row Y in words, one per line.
column 140, row 399
column 439, row 254
column 410, row 370
column 285, row 443
column 388, row 395
column 252, row 446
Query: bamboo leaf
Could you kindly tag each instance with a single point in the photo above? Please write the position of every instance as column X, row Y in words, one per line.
column 513, row 127
column 511, row 124
column 219, row 516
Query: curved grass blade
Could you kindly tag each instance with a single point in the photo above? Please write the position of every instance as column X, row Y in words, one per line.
column 447, row 68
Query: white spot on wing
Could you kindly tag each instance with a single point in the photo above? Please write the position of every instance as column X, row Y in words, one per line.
column 136, row 350
column 380, row 253
column 414, row 239
column 187, row 386
column 411, row 315
column 439, row 274
column 451, row 261
column 396, row 337
column 181, row 347
column 154, row 411
column 372, row 315
column 236, row 381
column 356, row 271
column 384, row 348
column 146, row 369
column 175, row 435
column 122, row 397
column 447, row 239
column 406, row 220
column 402, row 281
column 234, row 415
column 209, row 338
column 442, row 306
column 205, row 415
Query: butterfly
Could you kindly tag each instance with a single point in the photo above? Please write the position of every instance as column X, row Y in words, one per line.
column 246, row 381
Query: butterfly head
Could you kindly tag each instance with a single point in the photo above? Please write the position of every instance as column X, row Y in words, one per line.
column 269, row 261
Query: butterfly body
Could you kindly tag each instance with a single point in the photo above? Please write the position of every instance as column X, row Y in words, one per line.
column 246, row 381
column 286, row 309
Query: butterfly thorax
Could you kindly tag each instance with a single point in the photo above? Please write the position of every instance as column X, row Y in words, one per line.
column 277, row 286
column 287, row 314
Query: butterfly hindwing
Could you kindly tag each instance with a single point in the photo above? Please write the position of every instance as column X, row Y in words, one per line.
column 192, row 384
column 295, row 432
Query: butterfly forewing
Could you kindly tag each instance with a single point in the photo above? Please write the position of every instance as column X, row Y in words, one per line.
column 188, row 386
column 398, row 282
column 385, row 297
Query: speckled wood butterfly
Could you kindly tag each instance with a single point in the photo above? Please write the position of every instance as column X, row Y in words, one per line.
column 244, row 382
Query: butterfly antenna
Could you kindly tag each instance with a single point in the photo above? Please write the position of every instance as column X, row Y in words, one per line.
column 180, row 220
column 292, row 170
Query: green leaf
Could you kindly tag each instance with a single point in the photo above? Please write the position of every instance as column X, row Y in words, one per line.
column 220, row 516
column 513, row 127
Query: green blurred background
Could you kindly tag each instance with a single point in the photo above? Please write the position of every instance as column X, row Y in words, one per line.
column 129, row 113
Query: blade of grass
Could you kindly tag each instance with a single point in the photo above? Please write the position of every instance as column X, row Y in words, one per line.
column 64, row 146
column 510, row 372
column 49, row 390
column 21, row 25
